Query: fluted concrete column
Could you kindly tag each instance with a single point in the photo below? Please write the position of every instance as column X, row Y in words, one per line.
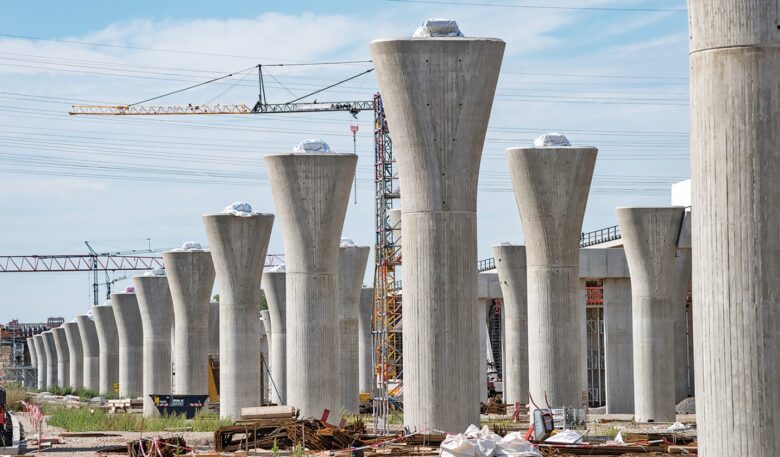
column 76, row 355
column 265, row 349
column 238, row 247
column 551, row 187
column 365, row 345
column 63, row 357
column 437, row 95
column 191, row 278
column 214, row 327
column 108, row 342
column 51, row 359
column 311, row 194
column 274, row 284
column 735, row 121
column 40, row 354
column 650, row 241
column 31, row 351
column 352, row 268
column 512, row 274
column 91, row 350
column 618, row 346
column 131, row 343
column 155, row 306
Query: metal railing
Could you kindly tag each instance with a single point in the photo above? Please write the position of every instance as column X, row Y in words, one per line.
column 599, row 236
column 486, row 264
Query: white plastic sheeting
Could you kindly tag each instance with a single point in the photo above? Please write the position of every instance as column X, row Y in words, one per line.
column 438, row 28
column 476, row 442
column 190, row 246
column 347, row 243
column 312, row 146
column 241, row 209
column 552, row 139
column 280, row 267
column 155, row 272
column 565, row 437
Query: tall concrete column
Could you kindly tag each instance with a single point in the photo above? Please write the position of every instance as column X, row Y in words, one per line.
column 618, row 346
column 63, row 357
column 365, row 345
column 274, row 284
column 91, row 349
column 214, row 327
column 735, row 127
column 51, row 359
column 131, row 343
column 551, row 187
column 650, row 241
column 512, row 274
column 238, row 247
column 155, row 306
column 265, row 349
column 108, row 342
column 682, row 285
column 31, row 351
column 483, row 306
column 76, row 355
column 352, row 268
column 40, row 354
column 191, row 278
column 311, row 194
column 437, row 95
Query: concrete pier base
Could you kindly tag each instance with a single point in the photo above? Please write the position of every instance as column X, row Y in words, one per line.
column 437, row 95
column 63, row 356
column 365, row 345
column 618, row 346
column 274, row 284
column 512, row 275
column 108, row 342
column 311, row 194
column 91, row 349
column 551, row 186
column 131, row 343
column 76, row 373
column 238, row 247
column 214, row 327
column 31, row 351
column 155, row 306
column 352, row 267
column 650, row 240
column 190, row 279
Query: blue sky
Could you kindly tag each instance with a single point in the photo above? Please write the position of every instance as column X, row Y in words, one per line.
column 612, row 79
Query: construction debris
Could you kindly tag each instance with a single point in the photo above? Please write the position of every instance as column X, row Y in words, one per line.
column 286, row 434
column 687, row 406
column 159, row 447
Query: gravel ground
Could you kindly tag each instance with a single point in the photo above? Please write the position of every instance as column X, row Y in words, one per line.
column 87, row 446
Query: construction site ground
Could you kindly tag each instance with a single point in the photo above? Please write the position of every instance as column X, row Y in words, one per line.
column 202, row 442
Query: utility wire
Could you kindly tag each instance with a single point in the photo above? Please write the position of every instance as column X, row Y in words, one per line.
column 332, row 85
column 191, row 87
column 545, row 7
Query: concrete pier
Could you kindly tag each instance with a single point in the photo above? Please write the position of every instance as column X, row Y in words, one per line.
column 214, row 327
column 40, row 354
column 311, row 194
column 512, row 274
column 31, row 351
column 352, row 268
column 618, row 346
column 365, row 344
column 156, row 309
column 265, row 349
column 650, row 241
column 63, row 356
column 76, row 355
column 238, row 247
column 51, row 359
column 274, row 284
column 734, row 61
column 190, row 278
column 131, row 343
column 551, row 186
column 437, row 95
column 91, row 349
column 108, row 342
column 683, row 362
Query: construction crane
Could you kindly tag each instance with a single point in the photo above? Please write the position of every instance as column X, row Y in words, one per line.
column 386, row 319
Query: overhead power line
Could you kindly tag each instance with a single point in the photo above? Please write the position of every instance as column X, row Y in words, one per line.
column 544, row 7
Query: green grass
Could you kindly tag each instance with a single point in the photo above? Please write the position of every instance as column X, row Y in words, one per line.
column 95, row 420
column 84, row 394
column 15, row 394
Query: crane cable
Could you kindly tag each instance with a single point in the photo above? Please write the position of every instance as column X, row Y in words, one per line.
column 193, row 86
